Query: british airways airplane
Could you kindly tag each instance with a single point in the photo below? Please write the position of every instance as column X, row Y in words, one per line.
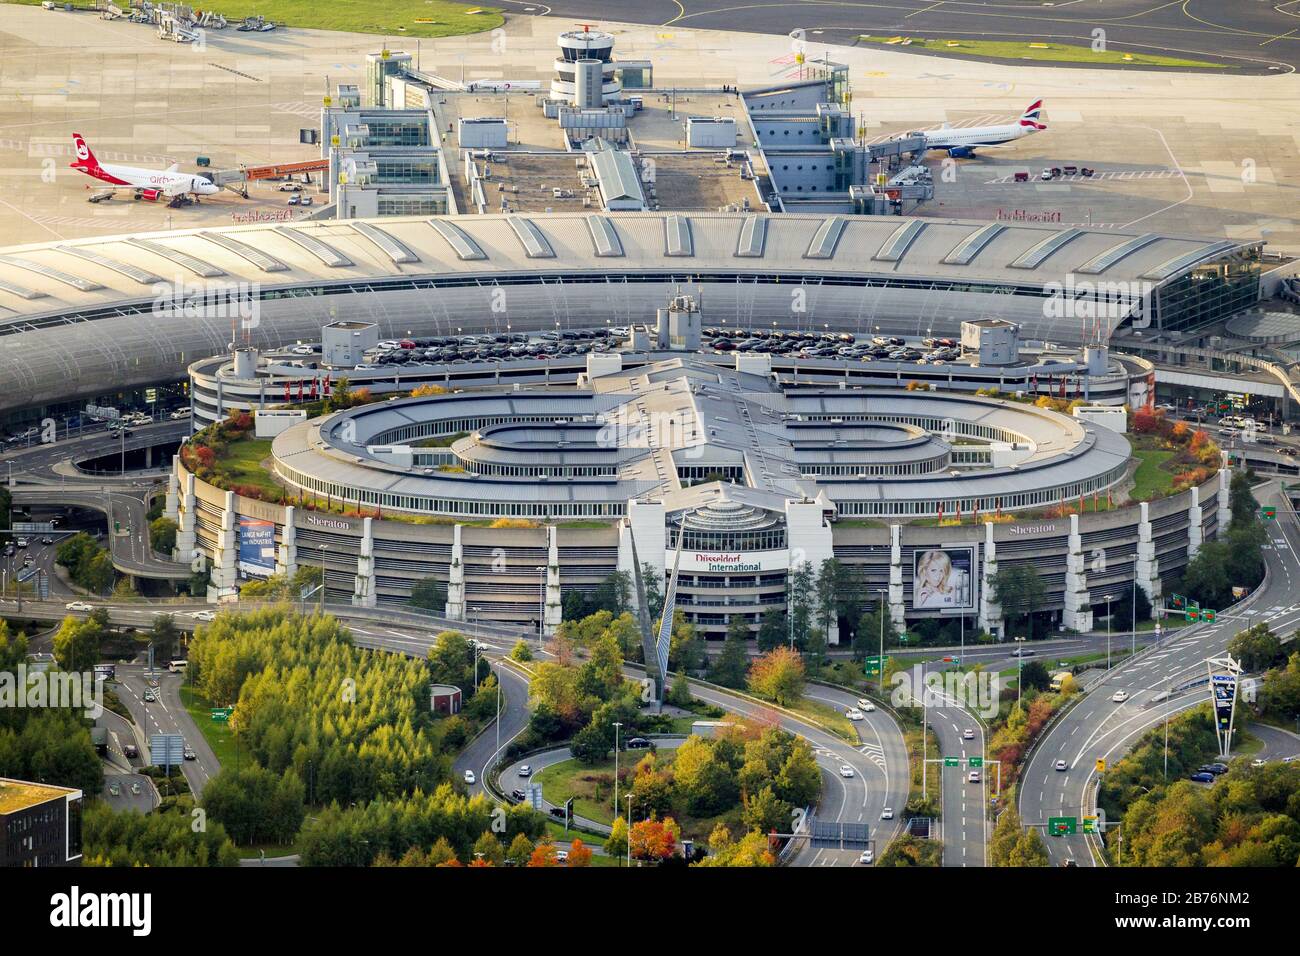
column 146, row 183
column 962, row 143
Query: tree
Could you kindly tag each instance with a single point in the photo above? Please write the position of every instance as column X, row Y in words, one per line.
column 521, row 850
column 76, row 644
column 616, row 842
column 778, row 676
column 489, row 849
column 684, row 650
column 728, row 668
column 867, row 640
column 750, row 850
column 653, row 582
column 654, row 839
column 1034, row 675
column 1014, row 845
column 579, row 853
column 802, row 582
column 765, row 811
column 429, row 594
column 1019, row 590
column 163, row 634
column 521, row 651
column 1257, row 648
column 451, row 661
column 834, row 592
column 614, row 594
column 702, row 778
column 772, row 629
column 1280, row 695
column 162, row 535
column 543, row 855
column 592, row 743
column 1245, row 509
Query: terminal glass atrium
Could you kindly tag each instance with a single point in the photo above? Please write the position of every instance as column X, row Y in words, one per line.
column 1211, row 291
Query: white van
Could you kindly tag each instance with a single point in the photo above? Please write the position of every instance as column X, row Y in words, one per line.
column 177, row 667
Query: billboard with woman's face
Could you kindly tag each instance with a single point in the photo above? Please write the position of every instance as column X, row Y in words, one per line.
column 943, row 578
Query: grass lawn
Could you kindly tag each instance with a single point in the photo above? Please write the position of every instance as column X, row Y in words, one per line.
column 1151, row 480
column 241, row 464
column 218, row 735
column 568, row 779
column 831, row 717
column 396, row 19
column 1045, row 52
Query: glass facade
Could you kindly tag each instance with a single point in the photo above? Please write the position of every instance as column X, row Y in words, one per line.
column 412, row 206
column 1211, row 291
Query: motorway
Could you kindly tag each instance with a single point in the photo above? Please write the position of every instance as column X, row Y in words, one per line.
column 1098, row 727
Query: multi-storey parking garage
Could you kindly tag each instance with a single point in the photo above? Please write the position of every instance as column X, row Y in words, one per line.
column 510, row 496
column 598, row 469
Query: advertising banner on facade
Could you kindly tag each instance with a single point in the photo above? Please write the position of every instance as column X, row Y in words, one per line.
column 943, row 579
column 256, row 547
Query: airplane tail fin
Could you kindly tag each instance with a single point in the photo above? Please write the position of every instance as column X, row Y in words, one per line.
column 85, row 158
column 1030, row 117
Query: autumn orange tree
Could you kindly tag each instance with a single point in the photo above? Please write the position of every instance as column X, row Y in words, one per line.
column 654, row 839
column 579, row 853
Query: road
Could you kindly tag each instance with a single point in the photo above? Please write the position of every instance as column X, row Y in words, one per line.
column 167, row 716
column 1249, row 36
column 51, row 463
column 1100, row 727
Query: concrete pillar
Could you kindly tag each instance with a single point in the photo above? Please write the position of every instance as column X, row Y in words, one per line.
column 897, row 609
column 1195, row 534
column 286, row 561
column 363, row 589
column 554, row 610
column 186, row 539
column 1147, row 568
column 647, row 522
column 225, row 557
column 1225, row 500
column 172, row 502
column 990, row 614
column 1078, row 609
column 456, row 578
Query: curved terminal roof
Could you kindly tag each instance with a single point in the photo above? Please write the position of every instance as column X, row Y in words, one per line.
column 80, row 317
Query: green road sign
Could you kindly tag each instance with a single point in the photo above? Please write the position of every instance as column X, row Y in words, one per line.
column 1268, row 514
column 220, row 716
column 1062, row 826
column 1192, row 614
column 1178, row 601
column 1089, row 824
column 975, row 762
column 873, row 665
column 952, row 761
column 1208, row 615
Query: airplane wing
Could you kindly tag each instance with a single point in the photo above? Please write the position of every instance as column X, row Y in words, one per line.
column 175, row 189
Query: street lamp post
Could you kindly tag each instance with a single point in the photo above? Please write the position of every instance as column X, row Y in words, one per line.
column 629, row 829
column 541, row 602
column 1020, row 664
column 321, row 605
column 880, row 661
column 1108, row 598
column 1133, row 648
column 617, row 725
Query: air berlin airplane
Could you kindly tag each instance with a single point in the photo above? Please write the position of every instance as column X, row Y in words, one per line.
column 148, row 183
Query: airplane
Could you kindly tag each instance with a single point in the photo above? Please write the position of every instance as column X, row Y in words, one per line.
column 151, row 184
column 962, row 143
